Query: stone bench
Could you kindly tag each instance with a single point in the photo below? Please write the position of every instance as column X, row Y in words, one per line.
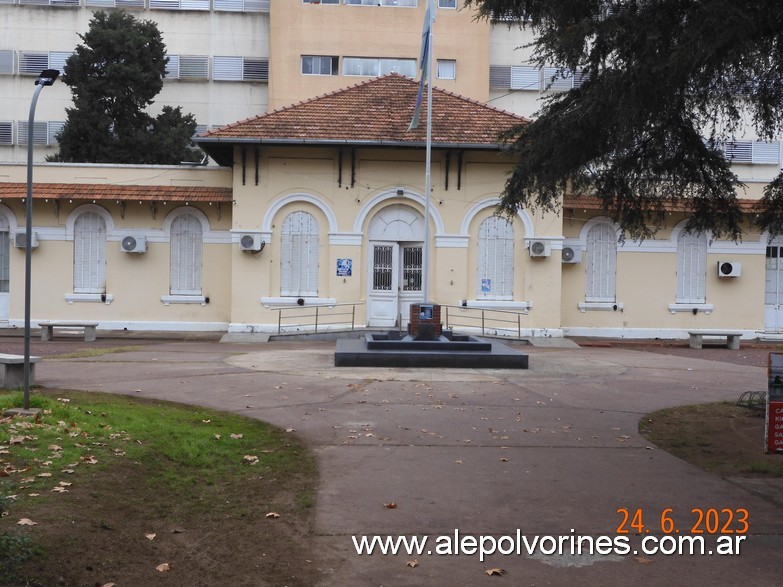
column 732, row 337
column 12, row 370
column 47, row 329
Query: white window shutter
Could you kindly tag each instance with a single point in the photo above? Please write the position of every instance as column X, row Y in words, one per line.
column 186, row 255
column 691, row 268
column 496, row 258
column 299, row 255
column 525, row 77
column 89, row 254
column 601, row 266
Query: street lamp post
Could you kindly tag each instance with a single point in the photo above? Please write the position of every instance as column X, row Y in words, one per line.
column 46, row 78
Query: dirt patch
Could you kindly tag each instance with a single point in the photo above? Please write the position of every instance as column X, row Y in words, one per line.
column 116, row 524
column 721, row 438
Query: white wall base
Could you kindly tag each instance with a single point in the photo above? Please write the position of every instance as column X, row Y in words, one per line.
column 644, row 333
column 143, row 326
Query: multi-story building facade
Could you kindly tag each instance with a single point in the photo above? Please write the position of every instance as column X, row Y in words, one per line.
column 232, row 60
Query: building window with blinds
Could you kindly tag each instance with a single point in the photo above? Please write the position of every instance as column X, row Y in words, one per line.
column 299, row 256
column 89, row 254
column 186, row 254
column 601, row 264
column 691, row 268
column 495, row 259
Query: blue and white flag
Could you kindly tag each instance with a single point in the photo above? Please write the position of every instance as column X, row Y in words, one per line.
column 424, row 60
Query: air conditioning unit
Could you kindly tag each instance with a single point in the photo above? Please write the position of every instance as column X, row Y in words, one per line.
column 20, row 240
column 571, row 255
column 251, row 242
column 540, row 249
column 729, row 269
column 133, row 244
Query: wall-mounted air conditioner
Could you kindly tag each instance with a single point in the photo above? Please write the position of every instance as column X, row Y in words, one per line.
column 540, row 248
column 729, row 269
column 133, row 244
column 20, row 239
column 571, row 255
column 251, row 242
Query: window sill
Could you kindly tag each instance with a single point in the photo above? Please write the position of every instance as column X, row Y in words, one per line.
column 706, row 308
column 294, row 301
column 181, row 299
column 489, row 304
column 89, row 297
column 601, row 306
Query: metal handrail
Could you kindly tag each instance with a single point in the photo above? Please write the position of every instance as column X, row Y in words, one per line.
column 314, row 314
column 482, row 318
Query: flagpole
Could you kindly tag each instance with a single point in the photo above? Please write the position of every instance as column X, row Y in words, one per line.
column 425, row 258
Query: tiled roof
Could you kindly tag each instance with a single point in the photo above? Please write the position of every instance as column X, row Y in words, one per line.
column 596, row 203
column 88, row 191
column 377, row 111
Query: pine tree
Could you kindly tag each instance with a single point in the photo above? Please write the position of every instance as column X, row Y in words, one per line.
column 114, row 76
column 665, row 84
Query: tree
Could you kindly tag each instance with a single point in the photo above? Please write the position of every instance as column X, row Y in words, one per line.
column 114, row 75
column 665, row 83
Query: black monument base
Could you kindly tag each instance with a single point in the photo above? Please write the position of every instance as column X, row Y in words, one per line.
column 451, row 351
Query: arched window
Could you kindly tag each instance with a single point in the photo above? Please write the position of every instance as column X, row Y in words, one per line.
column 186, row 243
column 299, row 255
column 89, row 253
column 496, row 259
column 691, row 268
column 601, row 264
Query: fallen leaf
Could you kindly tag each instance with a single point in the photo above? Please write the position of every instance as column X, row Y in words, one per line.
column 289, row 430
column 64, row 484
column 59, row 489
column 164, row 567
column 391, row 505
column 54, row 447
column 108, row 585
column 503, row 460
column 64, row 400
column 236, row 436
column 273, row 515
column 150, row 536
column 496, row 571
column 250, row 459
column 643, row 560
column 217, row 436
column 206, row 421
column 44, row 474
column 26, row 522
column 413, row 563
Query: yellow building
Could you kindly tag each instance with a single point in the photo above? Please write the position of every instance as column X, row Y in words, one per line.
column 321, row 205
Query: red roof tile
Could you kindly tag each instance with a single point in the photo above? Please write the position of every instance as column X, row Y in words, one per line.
column 377, row 111
column 596, row 203
column 88, row 191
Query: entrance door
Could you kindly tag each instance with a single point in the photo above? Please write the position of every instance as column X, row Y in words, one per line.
column 395, row 283
column 773, row 290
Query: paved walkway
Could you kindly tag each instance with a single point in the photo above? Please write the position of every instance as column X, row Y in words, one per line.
column 547, row 451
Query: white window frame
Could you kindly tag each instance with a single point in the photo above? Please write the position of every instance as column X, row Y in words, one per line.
column 44, row 132
column 525, row 78
column 495, row 258
column 601, row 264
column 376, row 66
column 115, row 3
column 241, row 5
column 389, row 3
column 447, row 69
column 752, row 152
column 691, row 285
column 188, row 67
column 7, row 62
column 239, row 69
column 202, row 5
column 34, row 62
column 89, row 253
column 321, row 60
column 186, row 245
column 299, row 255
column 6, row 132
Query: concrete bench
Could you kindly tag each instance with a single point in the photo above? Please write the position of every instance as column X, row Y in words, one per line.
column 47, row 329
column 12, row 370
column 732, row 337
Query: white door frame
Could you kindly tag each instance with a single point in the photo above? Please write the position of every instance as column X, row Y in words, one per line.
column 773, row 287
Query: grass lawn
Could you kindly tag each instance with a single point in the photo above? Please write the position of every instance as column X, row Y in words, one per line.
column 103, row 489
